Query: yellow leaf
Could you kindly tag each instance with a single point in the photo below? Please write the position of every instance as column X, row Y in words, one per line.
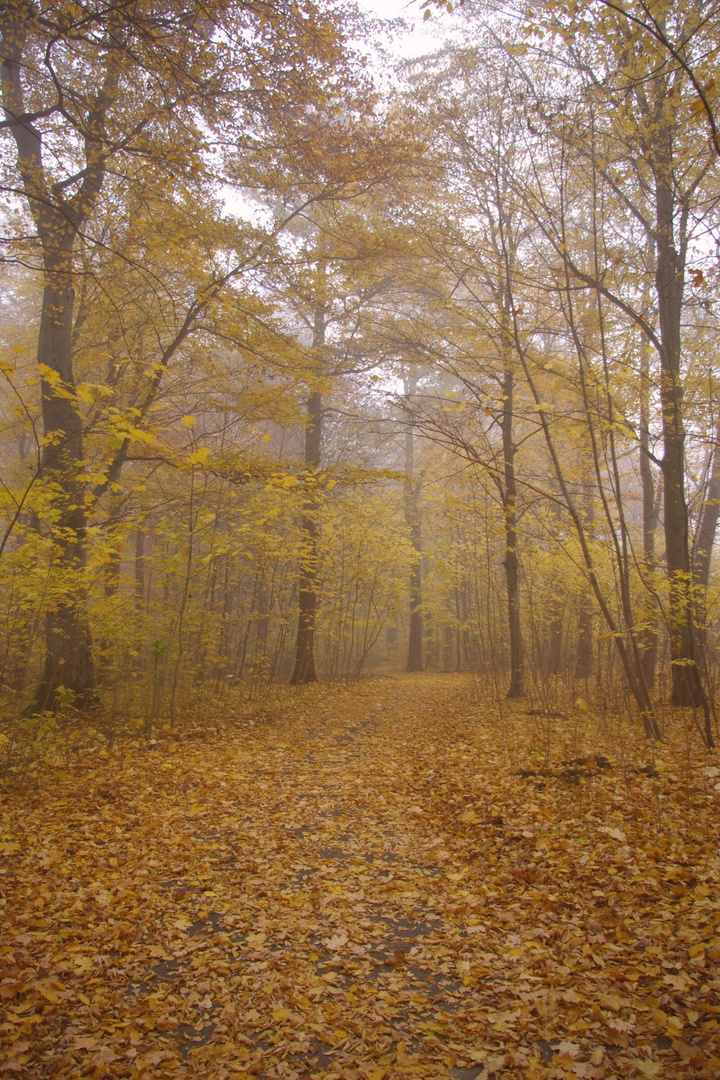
column 336, row 941
column 648, row 1067
column 50, row 988
column 616, row 834
column 199, row 457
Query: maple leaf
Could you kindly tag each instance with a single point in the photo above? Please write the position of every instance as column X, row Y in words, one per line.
column 336, row 942
column 648, row 1067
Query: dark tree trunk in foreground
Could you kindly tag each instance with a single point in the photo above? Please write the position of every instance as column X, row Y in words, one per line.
column 68, row 653
column 59, row 222
column 687, row 688
column 413, row 521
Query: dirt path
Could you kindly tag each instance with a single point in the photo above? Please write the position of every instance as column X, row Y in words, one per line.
column 358, row 883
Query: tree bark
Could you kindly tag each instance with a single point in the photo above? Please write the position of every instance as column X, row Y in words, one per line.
column 414, row 526
column 647, row 635
column 707, row 527
column 516, row 688
column 304, row 668
column 702, row 551
column 58, row 223
column 687, row 688
column 68, row 647
column 584, row 653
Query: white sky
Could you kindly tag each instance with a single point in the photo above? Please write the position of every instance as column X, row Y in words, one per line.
column 422, row 36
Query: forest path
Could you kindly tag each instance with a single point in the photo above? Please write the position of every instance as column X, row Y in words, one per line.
column 358, row 883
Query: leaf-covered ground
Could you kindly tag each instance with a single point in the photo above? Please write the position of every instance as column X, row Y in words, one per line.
column 391, row 880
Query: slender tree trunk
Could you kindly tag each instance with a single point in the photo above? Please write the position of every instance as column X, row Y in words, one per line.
column 702, row 550
column 647, row 635
column 139, row 593
column 584, row 653
column 304, row 668
column 458, row 630
column 414, row 525
column 262, row 624
column 555, row 639
column 184, row 597
column 140, row 557
column 637, row 685
column 705, row 538
column 584, row 648
column 511, row 562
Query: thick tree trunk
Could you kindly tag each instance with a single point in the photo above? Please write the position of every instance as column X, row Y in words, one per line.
column 68, row 660
column 414, row 525
column 516, row 688
column 59, row 221
column 687, row 688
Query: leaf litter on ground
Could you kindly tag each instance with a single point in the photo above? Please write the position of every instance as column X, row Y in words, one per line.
column 376, row 882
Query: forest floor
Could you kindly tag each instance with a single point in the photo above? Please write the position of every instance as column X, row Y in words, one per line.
column 394, row 879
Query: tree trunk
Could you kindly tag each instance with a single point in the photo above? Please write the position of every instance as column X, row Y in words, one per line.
column 68, row 659
column 304, row 669
column 140, row 558
column 584, row 653
column 687, row 688
column 511, row 562
column 702, row 550
column 262, row 625
column 58, row 222
column 555, row 639
column 414, row 525
column 648, row 635
column 139, row 594
column 584, row 649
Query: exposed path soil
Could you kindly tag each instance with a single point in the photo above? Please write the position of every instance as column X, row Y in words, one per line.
column 359, row 883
